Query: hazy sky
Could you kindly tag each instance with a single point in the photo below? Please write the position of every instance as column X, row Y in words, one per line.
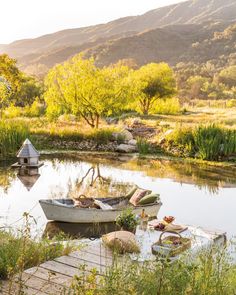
column 31, row 18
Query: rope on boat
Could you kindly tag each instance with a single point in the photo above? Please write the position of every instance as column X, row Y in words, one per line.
column 16, row 221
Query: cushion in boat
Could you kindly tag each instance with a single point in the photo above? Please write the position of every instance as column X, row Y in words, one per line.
column 149, row 199
column 138, row 195
column 121, row 242
column 102, row 205
column 131, row 192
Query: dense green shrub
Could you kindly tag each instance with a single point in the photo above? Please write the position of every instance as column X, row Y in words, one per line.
column 231, row 103
column 36, row 109
column 170, row 106
column 182, row 138
column 13, row 112
column 209, row 142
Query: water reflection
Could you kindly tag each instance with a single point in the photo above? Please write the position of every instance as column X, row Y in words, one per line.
column 76, row 230
column 28, row 176
column 204, row 176
column 195, row 193
column 93, row 184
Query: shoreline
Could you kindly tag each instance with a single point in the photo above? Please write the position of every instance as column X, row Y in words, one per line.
column 160, row 156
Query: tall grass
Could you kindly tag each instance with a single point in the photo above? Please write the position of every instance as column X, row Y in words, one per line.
column 12, row 134
column 18, row 251
column 209, row 142
column 210, row 273
column 143, row 146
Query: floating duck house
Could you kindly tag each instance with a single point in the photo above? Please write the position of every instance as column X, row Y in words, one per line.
column 27, row 156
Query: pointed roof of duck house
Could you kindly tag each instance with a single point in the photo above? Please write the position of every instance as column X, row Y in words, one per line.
column 27, row 150
column 28, row 180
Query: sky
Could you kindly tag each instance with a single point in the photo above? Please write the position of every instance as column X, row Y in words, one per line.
column 32, row 18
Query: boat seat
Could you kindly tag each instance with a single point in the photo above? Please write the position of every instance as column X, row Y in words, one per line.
column 102, row 205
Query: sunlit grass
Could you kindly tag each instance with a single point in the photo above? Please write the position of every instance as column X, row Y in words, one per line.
column 210, row 272
column 12, row 134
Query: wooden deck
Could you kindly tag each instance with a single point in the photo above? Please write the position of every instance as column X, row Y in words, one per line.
column 56, row 276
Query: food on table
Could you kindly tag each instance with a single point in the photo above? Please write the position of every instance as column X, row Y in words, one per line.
column 160, row 226
column 168, row 219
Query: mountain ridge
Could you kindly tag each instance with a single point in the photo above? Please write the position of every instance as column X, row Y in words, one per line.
column 47, row 50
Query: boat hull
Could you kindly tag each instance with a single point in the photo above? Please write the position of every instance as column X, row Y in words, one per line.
column 80, row 215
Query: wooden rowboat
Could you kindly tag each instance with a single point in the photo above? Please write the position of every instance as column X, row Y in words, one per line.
column 64, row 210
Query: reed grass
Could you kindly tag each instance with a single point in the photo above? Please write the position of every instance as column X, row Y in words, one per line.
column 206, row 142
column 12, row 134
column 143, row 146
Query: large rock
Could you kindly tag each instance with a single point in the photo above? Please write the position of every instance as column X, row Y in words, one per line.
column 126, row 135
column 132, row 142
column 126, row 148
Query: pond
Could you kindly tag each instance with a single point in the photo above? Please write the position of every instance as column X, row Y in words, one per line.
column 195, row 194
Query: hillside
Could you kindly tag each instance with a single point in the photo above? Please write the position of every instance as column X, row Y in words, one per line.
column 152, row 32
column 173, row 44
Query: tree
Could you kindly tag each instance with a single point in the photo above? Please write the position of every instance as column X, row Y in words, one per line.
column 214, row 90
column 81, row 88
column 5, row 92
column 29, row 90
column 24, row 89
column 228, row 76
column 152, row 82
column 10, row 72
column 195, row 85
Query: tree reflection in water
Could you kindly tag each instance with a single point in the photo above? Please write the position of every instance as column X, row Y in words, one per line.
column 93, row 184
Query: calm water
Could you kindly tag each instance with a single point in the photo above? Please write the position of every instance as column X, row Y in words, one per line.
column 197, row 195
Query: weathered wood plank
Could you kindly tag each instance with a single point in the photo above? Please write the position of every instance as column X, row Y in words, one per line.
column 96, row 259
column 42, row 285
column 58, row 267
column 16, row 289
column 98, row 249
column 78, row 263
column 31, row 291
column 47, row 275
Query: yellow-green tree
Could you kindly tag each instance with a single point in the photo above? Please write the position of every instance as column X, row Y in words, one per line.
column 81, row 88
column 5, row 92
column 150, row 83
column 24, row 89
column 228, row 76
